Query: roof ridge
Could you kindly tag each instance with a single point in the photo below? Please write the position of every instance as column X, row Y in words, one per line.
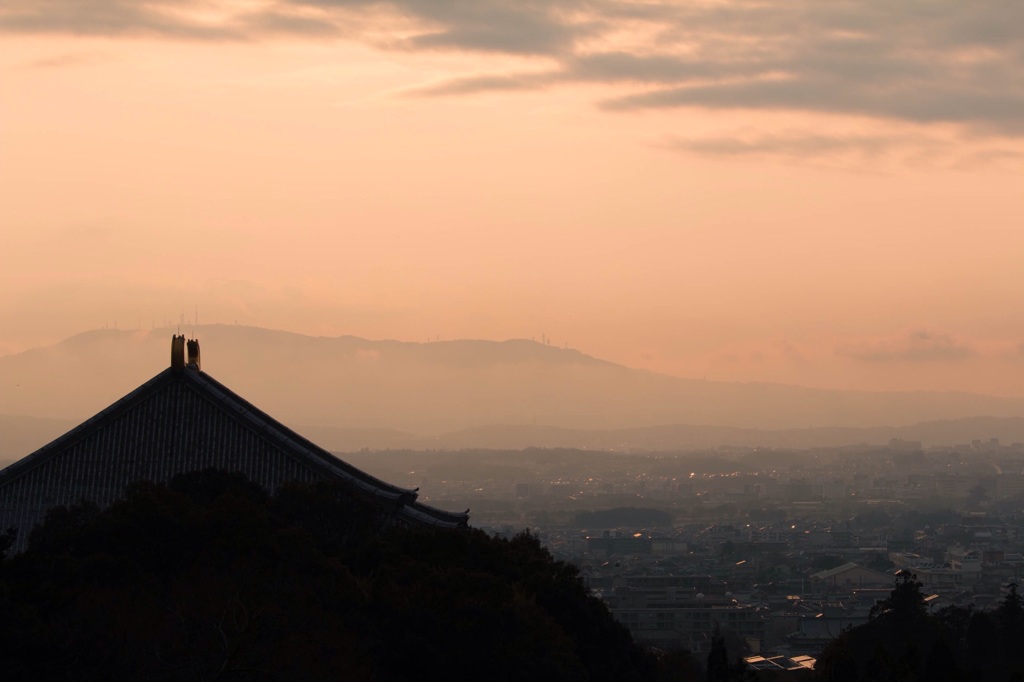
column 267, row 424
column 39, row 456
column 180, row 419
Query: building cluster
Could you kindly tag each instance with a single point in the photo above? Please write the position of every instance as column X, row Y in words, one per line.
column 985, row 470
column 784, row 560
column 786, row 588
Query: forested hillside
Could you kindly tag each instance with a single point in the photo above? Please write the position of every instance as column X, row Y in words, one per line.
column 210, row 578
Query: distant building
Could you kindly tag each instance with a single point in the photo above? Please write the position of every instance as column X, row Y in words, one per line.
column 782, row 665
column 815, row 632
column 184, row 420
column 609, row 545
column 848, row 577
column 676, row 611
column 1009, row 485
column 900, row 445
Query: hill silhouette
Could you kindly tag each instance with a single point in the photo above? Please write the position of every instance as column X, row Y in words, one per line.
column 412, row 393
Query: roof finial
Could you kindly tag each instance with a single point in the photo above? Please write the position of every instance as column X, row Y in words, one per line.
column 178, row 351
column 193, row 353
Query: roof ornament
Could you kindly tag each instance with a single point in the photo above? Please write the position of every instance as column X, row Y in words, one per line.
column 178, row 351
column 193, row 353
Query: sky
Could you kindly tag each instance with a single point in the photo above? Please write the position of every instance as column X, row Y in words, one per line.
column 818, row 192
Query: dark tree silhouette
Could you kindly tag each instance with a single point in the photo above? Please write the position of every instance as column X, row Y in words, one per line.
column 941, row 665
column 211, row 578
column 905, row 604
column 893, row 645
column 7, row 539
column 879, row 562
column 1009, row 617
column 719, row 668
column 718, row 659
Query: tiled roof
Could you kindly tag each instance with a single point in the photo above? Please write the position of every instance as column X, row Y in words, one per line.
column 781, row 663
column 838, row 570
column 183, row 420
column 849, row 566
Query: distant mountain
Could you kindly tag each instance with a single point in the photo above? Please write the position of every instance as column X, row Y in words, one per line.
column 381, row 392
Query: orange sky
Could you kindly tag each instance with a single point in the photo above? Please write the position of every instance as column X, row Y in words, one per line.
column 794, row 191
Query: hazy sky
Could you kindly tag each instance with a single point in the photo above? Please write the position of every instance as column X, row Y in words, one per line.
column 821, row 192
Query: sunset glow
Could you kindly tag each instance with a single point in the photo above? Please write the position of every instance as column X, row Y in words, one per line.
column 823, row 194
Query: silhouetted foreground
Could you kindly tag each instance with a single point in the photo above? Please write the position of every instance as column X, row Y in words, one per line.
column 184, row 420
column 902, row 641
column 210, row 578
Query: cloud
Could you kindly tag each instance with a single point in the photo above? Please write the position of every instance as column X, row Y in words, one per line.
column 113, row 18
column 920, row 61
column 985, row 111
column 791, row 143
column 68, row 59
column 924, row 62
column 528, row 27
column 840, row 149
column 513, row 27
column 486, row 83
column 915, row 346
column 992, row 157
column 282, row 23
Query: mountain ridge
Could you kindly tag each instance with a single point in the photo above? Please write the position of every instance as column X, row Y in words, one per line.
column 439, row 388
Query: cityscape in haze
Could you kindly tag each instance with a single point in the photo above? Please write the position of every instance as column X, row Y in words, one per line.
column 705, row 310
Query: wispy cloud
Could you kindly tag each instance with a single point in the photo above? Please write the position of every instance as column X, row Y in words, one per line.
column 843, row 149
column 64, row 60
column 924, row 62
column 467, row 85
column 791, row 143
column 915, row 346
column 116, row 18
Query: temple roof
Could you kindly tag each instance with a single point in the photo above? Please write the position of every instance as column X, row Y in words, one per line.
column 184, row 420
